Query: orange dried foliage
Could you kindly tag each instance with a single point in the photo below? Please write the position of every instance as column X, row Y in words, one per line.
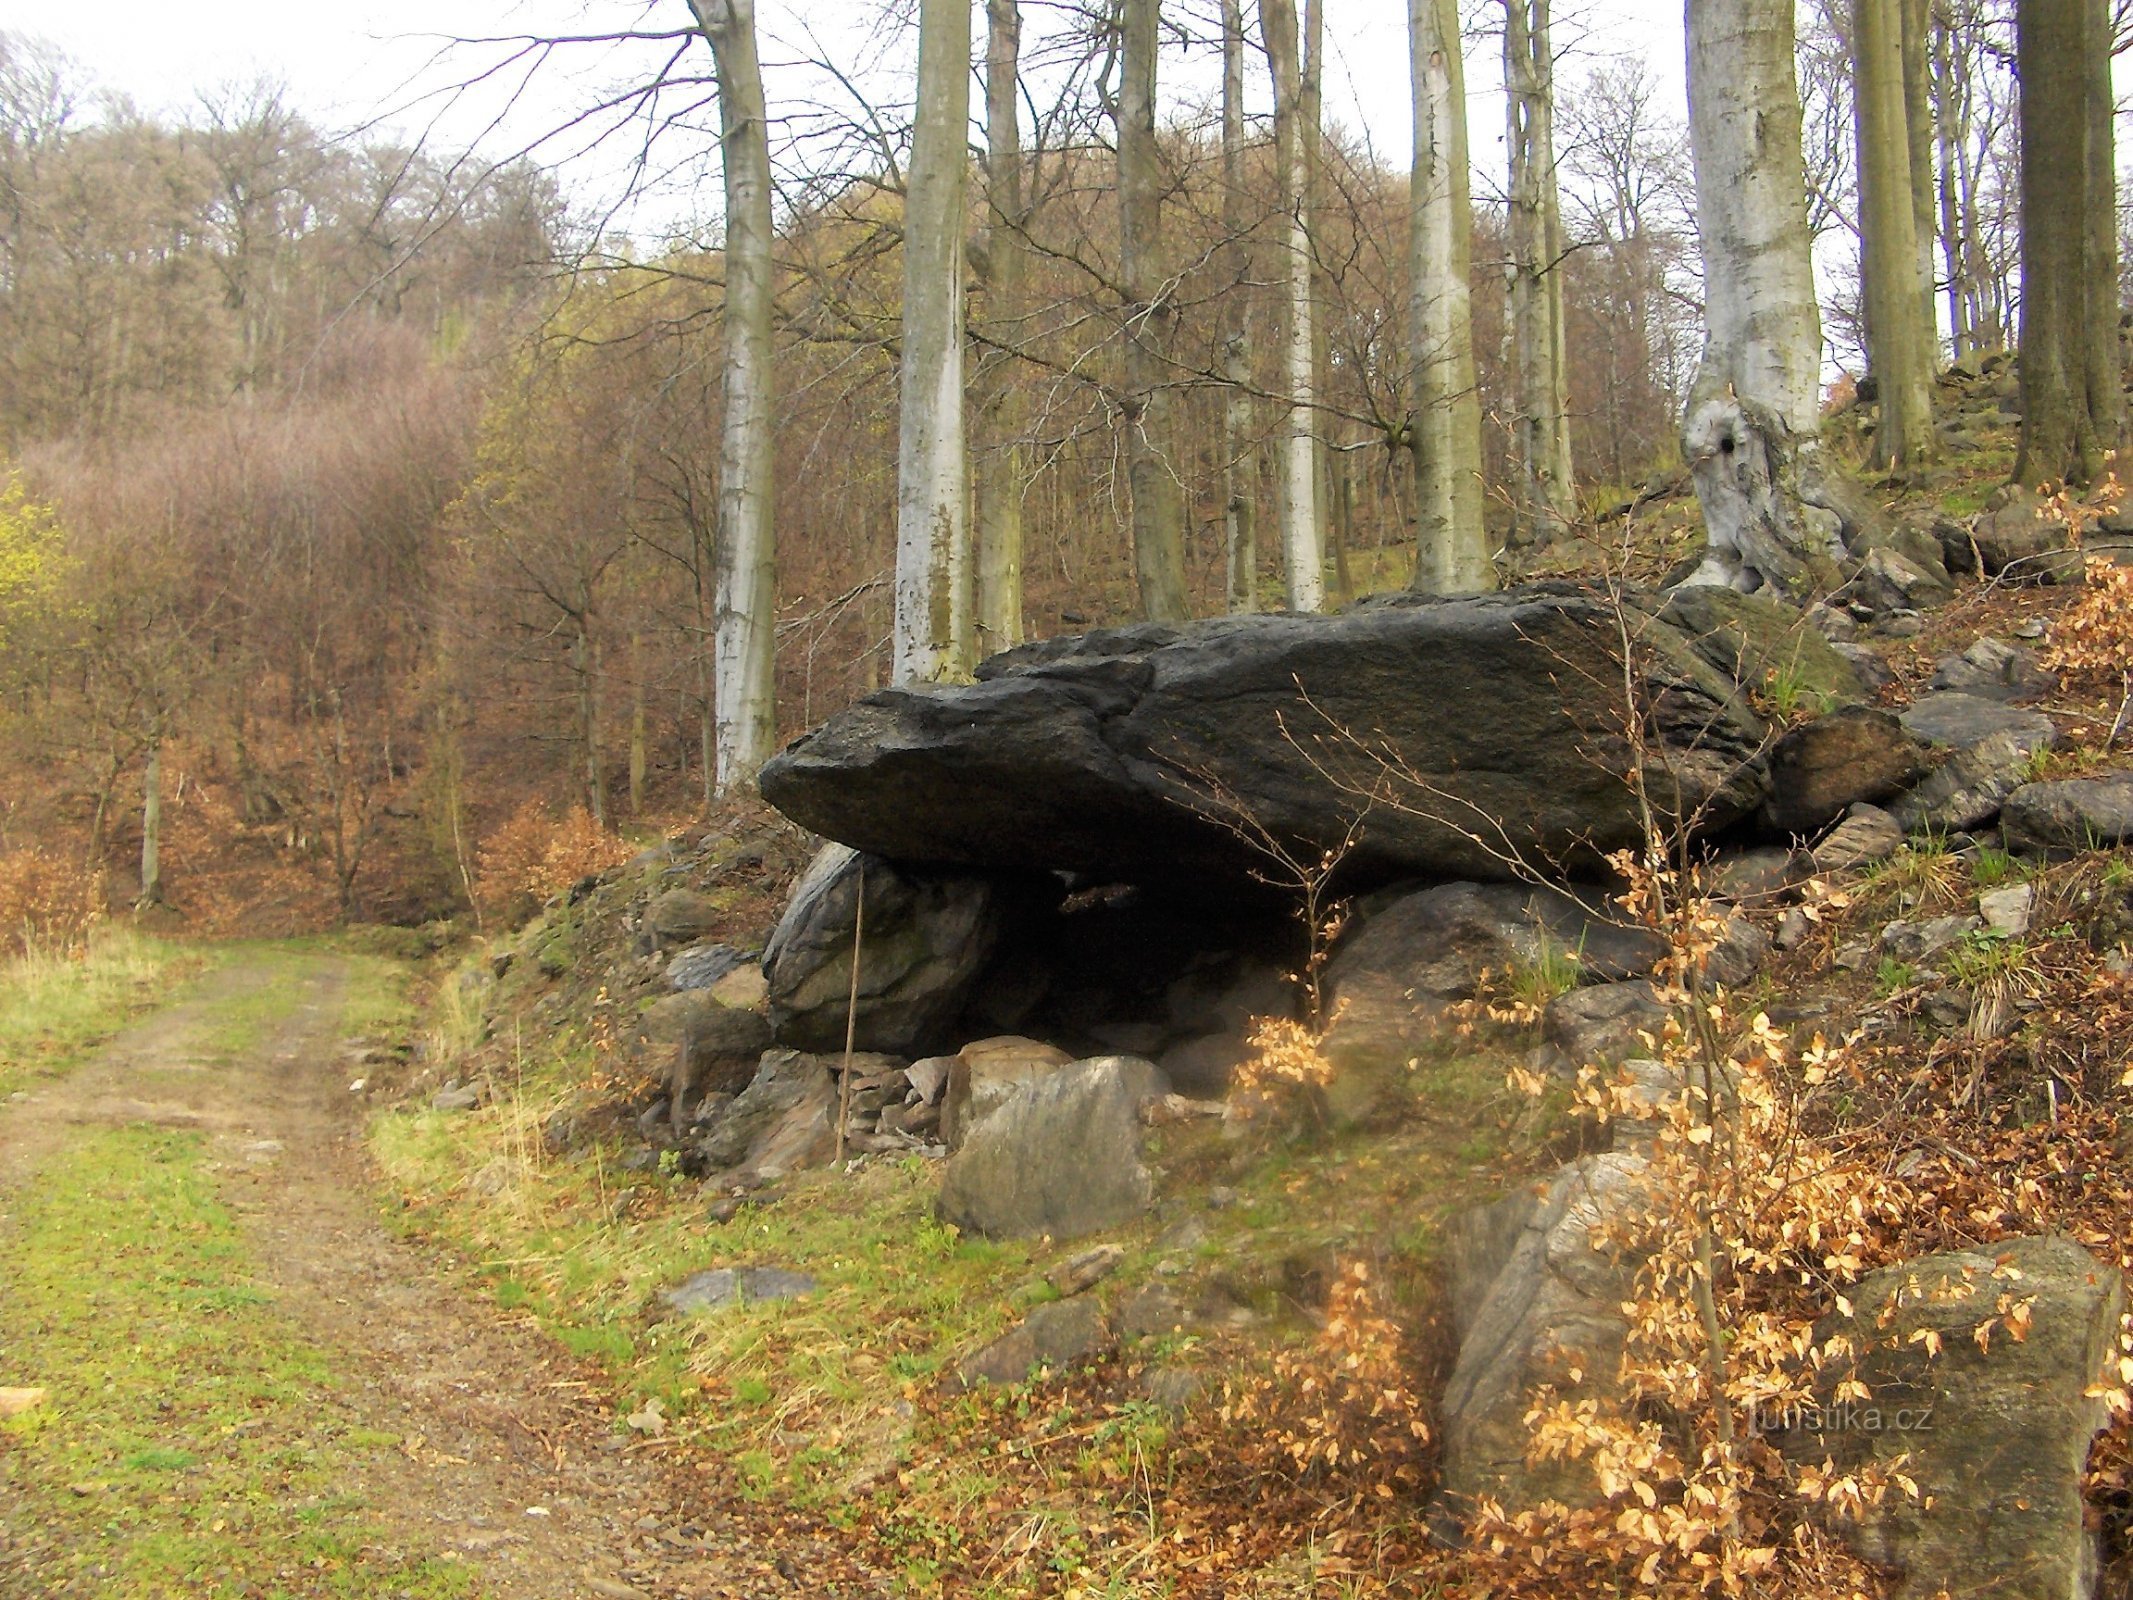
column 2093, row 638
column 45, row 900
column 1286, row 1063
column 1345, row 1403
column 533, row 855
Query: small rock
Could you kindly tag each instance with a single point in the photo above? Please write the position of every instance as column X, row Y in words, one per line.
column 1604, row 1024
column 730, row 1286
column 1051, row 1337
column 1873, row 673
column 1172, row 1388
column 1187, row 1233
column 1819, row 769
column 1968, row 789
column 2069, row 815
column 2006, row 911
column 2020, row 537
column 743, row 989
column 1152, row 1312
column 1993, row 670
column 702, row 965
column 1888, row 581
column 1163, row 1110
column 1964, row 720
column 1084, row 1270
column 1741, row 952
column 929, row 1078
column 456, row 1097
column 1760, row 876
column 1914, row 942
column 1833, row 623
column 1868, row 835
column 781, row 1122
column 1793, row 928
column 649, row 1419
column 681, row 916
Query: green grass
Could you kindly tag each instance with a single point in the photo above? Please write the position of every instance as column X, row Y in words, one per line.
column 1993, row 868
column 898, row 1292
column 55, row 1009
column 805, row 1390
column 194, row 1443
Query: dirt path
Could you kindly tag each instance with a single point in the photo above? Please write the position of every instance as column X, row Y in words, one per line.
column 505, row 1455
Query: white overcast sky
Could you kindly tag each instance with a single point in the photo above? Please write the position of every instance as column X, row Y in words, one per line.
column 343, row 63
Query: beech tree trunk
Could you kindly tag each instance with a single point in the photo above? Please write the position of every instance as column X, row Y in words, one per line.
column 640, row 754
column 152, row 825
column 2073, row 408
column 933, row 626
column 1753, row 410
column 745, row 614
column 1451, row 546
column 1158, row 495
column 1951, row 131
column 1240, row 529
column 1900, row 343
column 1547, row 499
column 1918, row 118
column 1302, row 533
column 1003, row 474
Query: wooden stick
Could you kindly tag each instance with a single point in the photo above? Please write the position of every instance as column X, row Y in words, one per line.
column 851, row 1018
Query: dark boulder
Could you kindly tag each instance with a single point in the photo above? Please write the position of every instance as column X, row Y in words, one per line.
column 1128, row 754
column 1820, row 769
column 926, row 937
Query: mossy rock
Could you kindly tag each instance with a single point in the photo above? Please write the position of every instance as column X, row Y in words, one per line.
column 1761, row 642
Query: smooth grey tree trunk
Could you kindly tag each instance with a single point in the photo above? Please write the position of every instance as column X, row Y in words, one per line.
column 1240, row 474
column 1451, row 545
column 1547, row 498
column 1158, row 494
column 1900, row 343
column 1003, row 474
column 745, row 606
column 1753, row 411
column 152, row 825
column 2072, row 405
column 1302, row 533
column 1918, row 119
column 932, row 631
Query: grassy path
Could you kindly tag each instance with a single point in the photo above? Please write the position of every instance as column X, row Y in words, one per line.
column 254, row 1389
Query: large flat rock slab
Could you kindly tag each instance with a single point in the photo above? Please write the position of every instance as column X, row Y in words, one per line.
column 1493, row 724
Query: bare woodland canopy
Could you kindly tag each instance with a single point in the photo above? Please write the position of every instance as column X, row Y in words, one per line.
column 359, row 495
